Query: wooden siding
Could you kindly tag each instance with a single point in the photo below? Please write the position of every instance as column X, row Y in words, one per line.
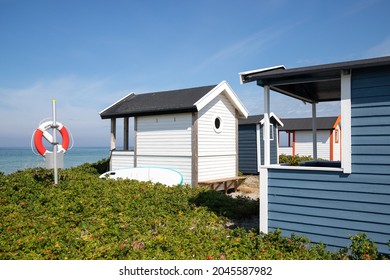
column 329, row 207
column 162, row 135
column 219, row 167
column 180, row 164
column 165, row 140
column 304, row 143
column 247, row 150
column 285, row 150
column 122, row 159
column 214, row 148
column 273, row 146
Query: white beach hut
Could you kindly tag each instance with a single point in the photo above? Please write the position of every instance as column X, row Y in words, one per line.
column 194, row 131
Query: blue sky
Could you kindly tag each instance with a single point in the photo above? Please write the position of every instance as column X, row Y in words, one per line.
column 89, row 54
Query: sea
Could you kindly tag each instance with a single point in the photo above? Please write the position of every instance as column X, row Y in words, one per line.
column 14, row 159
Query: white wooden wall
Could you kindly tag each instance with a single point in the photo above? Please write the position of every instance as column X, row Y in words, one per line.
column 165, row 140
column 285, row 150
column 337, row 146
column 217, row 151
column 304, row 143
column 122, row 159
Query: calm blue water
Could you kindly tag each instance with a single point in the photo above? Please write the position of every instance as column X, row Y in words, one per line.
column 13, row 159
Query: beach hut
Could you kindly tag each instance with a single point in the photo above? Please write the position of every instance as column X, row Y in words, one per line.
column 324, row 201
column 251, row 143
column 298, row 137
column 193, row 131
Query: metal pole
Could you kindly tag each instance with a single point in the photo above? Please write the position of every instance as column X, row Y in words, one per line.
column 55, row 144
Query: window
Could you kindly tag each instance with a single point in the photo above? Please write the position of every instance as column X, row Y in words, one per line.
column 218, row 124
column 271, row 132
column 336, row 136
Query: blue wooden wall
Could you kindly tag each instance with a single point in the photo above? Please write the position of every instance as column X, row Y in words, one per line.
column 329, row 207
column 273, row 146
column 247, row 150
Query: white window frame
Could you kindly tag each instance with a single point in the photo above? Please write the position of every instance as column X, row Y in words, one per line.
column 219, row 129
column 345, row 132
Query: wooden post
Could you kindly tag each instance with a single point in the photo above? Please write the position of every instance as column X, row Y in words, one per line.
column 135, row 140
column 314, row 128
column 113, row 134
column 346, row 132
column 126, row 134
column 266, row 130
column 194, row 150
column 258, row 147
column 263, row 170
column 113, row 139
column 236, row 128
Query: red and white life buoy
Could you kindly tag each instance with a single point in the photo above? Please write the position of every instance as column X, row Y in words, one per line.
column 41, row 132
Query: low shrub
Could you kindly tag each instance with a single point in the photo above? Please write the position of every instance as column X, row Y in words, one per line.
column 293, row 160
column 84, row 217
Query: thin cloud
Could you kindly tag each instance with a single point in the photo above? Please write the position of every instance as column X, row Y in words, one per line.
column 381, row 49
column 254, row 43
column 78, row 104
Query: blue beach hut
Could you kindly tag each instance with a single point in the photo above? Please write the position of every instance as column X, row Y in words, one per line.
column 251, row 143
column 324, row 201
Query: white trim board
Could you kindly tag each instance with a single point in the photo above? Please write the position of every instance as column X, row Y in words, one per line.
column 230, row 94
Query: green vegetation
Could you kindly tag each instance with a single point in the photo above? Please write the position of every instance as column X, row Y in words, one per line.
column 85, row 217
column 293, row 160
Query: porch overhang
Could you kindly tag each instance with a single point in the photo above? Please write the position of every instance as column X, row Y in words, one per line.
column 313, row 84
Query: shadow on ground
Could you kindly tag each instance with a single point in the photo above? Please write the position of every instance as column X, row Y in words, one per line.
column 241, row 211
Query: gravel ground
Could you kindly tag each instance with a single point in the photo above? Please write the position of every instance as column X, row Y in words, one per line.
column 249, row 188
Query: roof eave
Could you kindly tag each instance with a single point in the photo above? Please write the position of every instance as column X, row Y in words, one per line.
column 150, row 113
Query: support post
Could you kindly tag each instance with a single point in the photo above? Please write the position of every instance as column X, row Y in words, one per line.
column 113, row 139
column 263, row 200
column 258, row 147
column 194, row 150
column 314, row 128
column 346, row 132
column 126, row 134
column 135, row 141
column 113, row 134
column 55, row 143
column 264, row 169
column 266, row 128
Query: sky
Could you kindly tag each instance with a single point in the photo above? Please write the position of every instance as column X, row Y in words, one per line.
column 89, row 54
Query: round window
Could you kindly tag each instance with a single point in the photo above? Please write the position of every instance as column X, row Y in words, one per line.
column 218, row 124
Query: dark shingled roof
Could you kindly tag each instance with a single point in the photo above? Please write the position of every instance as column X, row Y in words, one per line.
column 164, row 102
column 255, row 119
column 295, row 124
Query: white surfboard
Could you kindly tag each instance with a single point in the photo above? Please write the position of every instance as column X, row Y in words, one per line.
column 166, row 176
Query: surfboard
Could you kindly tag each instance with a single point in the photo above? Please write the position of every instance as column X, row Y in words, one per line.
column 165, row 176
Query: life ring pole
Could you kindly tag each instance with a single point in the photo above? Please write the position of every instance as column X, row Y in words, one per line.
column 55, row 143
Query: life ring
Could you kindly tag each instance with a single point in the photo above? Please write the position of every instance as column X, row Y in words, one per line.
column 41, row 132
